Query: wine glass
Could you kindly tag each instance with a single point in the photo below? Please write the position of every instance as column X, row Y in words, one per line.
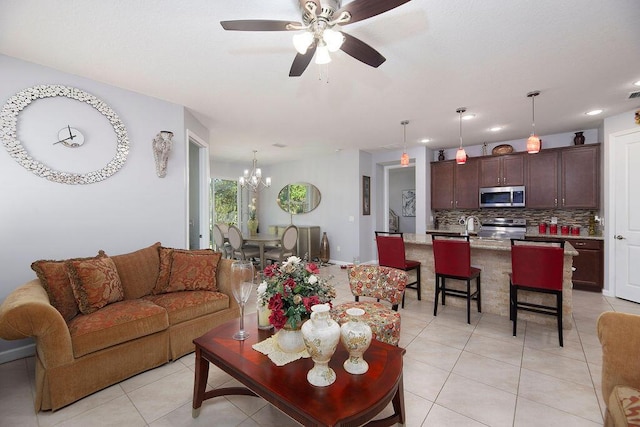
column 241, row 284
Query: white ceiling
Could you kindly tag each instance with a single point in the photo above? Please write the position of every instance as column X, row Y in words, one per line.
column 484, row 55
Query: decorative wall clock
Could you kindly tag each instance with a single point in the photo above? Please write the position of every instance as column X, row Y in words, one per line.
column 67, row 137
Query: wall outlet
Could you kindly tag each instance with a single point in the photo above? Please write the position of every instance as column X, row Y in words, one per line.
column 338, row 248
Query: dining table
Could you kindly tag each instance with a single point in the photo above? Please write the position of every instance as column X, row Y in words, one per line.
column 261, row 240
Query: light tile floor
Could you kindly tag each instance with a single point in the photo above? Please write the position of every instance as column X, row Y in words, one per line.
column 455, row 375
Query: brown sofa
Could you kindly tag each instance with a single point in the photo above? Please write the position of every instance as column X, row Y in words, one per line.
column 619, row 334
column 143, row 327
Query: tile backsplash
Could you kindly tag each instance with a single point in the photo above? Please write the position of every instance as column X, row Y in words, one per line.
column 580, row 217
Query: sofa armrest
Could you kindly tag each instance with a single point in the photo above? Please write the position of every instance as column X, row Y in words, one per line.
column 619, row 334
column 223, row 281
column 27, row 312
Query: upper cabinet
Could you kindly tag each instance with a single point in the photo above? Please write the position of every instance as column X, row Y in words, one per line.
column 564, row 178
column 502, row 170
column 454, row 186
column 580, row 177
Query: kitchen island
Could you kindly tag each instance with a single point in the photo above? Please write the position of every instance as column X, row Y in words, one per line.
column 494, row 258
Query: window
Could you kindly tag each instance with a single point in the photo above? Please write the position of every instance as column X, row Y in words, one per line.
column 224, row 202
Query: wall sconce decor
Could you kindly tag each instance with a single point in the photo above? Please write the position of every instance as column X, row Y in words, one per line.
column 161, row 147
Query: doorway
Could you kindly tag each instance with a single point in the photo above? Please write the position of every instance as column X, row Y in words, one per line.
column 198, row 228
column 626, row 204
column 400, row 193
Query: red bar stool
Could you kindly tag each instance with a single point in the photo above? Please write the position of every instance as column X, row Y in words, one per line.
column 391, row 253
column 536, row 267
column 452, row 257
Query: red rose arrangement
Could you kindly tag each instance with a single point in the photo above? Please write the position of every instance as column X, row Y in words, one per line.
column 290, row 289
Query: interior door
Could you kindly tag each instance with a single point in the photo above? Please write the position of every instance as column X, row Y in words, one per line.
column 199, row 229
column 626, row 152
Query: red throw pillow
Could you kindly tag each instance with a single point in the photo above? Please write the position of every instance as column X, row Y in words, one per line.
column 95, row 283
column 55, row 280
column 187, row 270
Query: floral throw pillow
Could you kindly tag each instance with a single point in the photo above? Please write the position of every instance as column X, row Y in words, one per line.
column 187, row 270
column 55, row 280
column 95, row 283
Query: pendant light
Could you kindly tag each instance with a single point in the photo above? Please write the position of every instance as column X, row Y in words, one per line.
column 533, row 143
column 404, row 159
column 461, row 155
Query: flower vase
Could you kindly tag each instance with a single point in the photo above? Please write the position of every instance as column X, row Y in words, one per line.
column 356, row 338
column 290, row 340
column 321, row 337
column 325, row 253
column 252, row 225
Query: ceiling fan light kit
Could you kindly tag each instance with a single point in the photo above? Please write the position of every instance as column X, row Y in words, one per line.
column 320, row 36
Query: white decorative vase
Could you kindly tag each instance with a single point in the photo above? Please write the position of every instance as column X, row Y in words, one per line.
column 290, row 340
column 321, row 337
column 356, row 338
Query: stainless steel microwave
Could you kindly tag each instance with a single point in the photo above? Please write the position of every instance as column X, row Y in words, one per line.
column 502, row 197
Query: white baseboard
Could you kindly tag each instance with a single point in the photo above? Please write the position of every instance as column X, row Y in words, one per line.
column 17, row 353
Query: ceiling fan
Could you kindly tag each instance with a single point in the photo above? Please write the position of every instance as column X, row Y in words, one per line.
column 320, row 19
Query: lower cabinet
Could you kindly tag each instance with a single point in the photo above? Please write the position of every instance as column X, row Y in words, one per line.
column 589, row 265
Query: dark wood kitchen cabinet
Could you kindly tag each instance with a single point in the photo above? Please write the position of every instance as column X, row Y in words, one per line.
column 589, row 265
column 454, row 186
column 564, row 178
column 580, row 178
column 502, row 170
column 442, row 185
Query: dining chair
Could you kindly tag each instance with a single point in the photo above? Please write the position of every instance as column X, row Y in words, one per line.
column 384, row 284
column 452, row 258
column 536, row 267
column 286, row 247
column 391, row 253
column 222, row 244
column 238, row 248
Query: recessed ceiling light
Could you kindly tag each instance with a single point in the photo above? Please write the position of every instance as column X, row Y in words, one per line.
column 636, row 83
column 594, row 112
column 468, row 116
column 496, row 128
column 425, row 140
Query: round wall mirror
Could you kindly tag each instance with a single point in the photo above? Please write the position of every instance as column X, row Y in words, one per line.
column 298, row 198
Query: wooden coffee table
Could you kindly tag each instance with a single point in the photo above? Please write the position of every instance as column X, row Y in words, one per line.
column 350, row 401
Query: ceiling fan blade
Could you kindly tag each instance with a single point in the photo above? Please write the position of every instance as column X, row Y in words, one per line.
column 301, row 62
column 361, row 51
column 260, row 25
column 363, row 9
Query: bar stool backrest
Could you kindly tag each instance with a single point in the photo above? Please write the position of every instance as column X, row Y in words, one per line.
column 537, row 265
column 452, row 255
column 391, row 251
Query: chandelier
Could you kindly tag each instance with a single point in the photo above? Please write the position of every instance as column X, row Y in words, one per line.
column 253, row 179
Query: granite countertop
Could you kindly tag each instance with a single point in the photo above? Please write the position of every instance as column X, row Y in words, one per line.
column 477, row 242
column 530, row 233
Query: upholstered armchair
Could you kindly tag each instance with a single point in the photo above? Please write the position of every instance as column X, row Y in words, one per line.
column 619, row 334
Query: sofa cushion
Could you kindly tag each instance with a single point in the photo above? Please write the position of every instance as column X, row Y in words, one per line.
column 95, row 283
column 191, row 270
column 183, row 306
column 624, row 406
column 114, row 324
column 55, row 280
column 138, row 271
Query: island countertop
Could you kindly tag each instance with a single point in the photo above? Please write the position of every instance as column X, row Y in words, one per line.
column 493, row 257
column 479, row 243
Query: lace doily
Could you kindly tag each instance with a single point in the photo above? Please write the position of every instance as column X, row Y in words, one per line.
column 280, row 358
